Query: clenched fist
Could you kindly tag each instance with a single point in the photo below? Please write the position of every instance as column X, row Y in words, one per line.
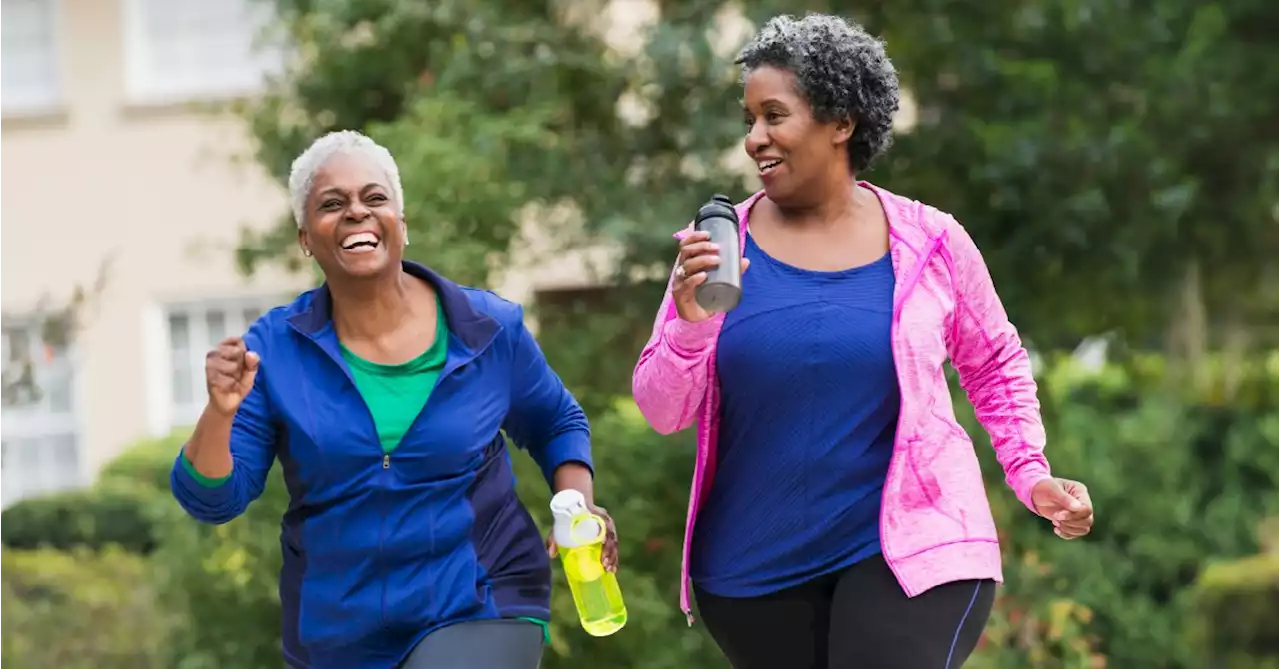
column 229, row 371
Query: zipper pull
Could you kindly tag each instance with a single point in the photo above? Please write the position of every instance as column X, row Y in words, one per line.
column 386, row 461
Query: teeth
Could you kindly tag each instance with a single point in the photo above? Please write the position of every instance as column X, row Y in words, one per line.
column 359, row 238
column 764, row 167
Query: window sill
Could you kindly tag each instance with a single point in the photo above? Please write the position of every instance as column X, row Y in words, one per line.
column 35, row 116
column 152, row 104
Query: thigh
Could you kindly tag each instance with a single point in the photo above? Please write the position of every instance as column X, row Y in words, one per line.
column 783, row 629
column 496, row 644
column 875, row 624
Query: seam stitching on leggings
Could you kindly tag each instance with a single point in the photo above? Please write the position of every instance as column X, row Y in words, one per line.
column 955, row 638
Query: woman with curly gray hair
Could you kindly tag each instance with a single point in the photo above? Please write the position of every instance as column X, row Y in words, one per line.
column 837, row 516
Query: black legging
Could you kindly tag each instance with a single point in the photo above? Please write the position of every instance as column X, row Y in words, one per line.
column 858, row 618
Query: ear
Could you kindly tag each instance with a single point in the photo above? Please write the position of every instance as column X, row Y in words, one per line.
column 842, row 130
column 303, row 243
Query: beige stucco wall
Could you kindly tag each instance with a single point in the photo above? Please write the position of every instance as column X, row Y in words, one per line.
column 153, row 190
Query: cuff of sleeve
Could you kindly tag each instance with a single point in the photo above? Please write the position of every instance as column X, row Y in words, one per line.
column 199, row 478
column 1025, row 483
column 692, row 337
column 569, row 447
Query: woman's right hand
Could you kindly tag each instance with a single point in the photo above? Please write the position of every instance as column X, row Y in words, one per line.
column 697, row 255
column 229, row 371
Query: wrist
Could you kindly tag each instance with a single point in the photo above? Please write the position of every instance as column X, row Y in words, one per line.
column 574, row 475
column 215, row 412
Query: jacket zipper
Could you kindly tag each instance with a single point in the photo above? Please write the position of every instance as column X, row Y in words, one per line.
column 894, row 331
column 382, row 533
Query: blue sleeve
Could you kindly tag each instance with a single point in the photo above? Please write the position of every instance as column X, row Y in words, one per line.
column 253, row 448
column 544, row 418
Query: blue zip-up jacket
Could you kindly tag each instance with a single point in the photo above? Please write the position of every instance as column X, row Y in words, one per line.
column 379, row 551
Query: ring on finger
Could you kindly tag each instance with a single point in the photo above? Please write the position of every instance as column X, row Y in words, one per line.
column 680, row 274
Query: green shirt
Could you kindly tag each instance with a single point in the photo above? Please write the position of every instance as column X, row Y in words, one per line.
column 396, row 394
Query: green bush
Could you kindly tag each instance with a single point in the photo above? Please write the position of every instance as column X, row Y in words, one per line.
column 1236, row 616
column 220, row 584
column 83, row 518
column 145, row 465
column 120, row 509
column 79, row 611
column 1180, row 475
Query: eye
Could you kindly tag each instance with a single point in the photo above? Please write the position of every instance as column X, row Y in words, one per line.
column 330, row 205
column 378, row 198
column 773, row 118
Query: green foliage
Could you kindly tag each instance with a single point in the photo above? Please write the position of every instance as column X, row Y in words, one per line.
column 1177, row 481
column 79, row 610
column 1238, row 608
column 487, row 105
column 83, row 518
column 145, row 465
column 220, row 584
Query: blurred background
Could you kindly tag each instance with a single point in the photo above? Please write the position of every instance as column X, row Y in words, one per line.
column 1116, row 162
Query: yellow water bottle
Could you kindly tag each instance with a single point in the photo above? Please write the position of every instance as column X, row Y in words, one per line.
column 580, row 537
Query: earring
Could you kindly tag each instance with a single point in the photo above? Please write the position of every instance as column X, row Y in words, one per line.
column 306, row 252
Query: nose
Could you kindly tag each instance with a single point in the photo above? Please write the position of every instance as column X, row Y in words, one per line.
column 357, row 211
column 757, row 138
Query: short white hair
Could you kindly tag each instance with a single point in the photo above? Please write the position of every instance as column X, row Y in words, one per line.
column 302, row 175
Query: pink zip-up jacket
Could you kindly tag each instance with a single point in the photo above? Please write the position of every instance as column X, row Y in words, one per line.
column 935, row 522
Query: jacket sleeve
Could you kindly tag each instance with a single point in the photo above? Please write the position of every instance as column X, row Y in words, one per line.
column 253, row 448
column 544, row 418
column 670, row 380
column 994, row 368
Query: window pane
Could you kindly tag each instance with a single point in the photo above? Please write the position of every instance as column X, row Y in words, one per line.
column 17, row 345
column 27, row 61
column 193, row 47
column 179, row 332
column 182, row 391
column 217, row 322
column 250, row 315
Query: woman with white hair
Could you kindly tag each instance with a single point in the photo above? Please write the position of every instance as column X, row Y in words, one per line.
column 384, row 394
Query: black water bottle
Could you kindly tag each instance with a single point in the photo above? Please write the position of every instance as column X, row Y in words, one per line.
column 723, row 288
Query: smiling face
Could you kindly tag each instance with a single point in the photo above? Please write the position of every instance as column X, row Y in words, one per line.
column 352, row 223
column 792, row 150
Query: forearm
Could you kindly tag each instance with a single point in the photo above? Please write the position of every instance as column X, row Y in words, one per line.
column 670, row 379
column 575, row 476
column 209, row 449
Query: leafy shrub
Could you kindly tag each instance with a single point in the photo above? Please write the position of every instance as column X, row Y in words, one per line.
column 80, row 610
column 1178, row 479
column 1236, row 613
column 90, row 519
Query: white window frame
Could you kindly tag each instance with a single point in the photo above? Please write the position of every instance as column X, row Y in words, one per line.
column 40, row 420
column 144, row 85
column 46, row 98
column 178, row 412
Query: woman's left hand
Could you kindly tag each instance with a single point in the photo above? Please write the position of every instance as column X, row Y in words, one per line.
column 1066, row 504
column 609, row 554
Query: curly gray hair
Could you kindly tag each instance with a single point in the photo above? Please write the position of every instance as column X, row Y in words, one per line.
column 302, row 174
column 842, row 71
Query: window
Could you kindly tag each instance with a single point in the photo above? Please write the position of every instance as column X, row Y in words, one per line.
column 194, row 330
column 29, row 72
column 180, row 50
column 39, row 437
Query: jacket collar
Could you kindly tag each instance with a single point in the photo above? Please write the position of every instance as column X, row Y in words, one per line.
column 473, row 328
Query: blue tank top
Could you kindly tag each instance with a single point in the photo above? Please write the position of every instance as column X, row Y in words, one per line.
column 809, row 408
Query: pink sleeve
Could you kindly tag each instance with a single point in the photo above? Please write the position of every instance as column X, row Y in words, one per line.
column 994, row 368
column 670, row 380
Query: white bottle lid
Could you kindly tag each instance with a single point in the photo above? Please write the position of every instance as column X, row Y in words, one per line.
column 566, row 506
